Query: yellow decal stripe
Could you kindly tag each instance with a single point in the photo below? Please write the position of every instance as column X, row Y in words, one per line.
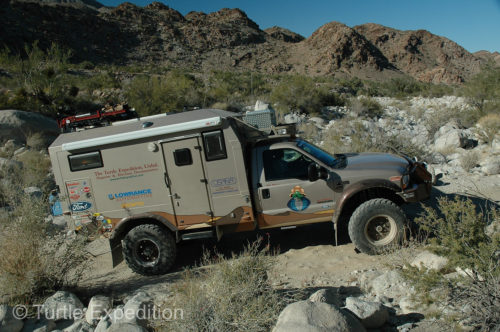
column 324, row 212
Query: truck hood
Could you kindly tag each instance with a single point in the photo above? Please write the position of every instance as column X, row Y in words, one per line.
column 370, row 160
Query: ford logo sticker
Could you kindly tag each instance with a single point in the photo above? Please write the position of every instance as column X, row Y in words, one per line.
column 80, row 206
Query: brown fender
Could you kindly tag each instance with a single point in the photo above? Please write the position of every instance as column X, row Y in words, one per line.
column 358, row 187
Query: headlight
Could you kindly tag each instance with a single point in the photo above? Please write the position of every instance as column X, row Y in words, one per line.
column 405, row 181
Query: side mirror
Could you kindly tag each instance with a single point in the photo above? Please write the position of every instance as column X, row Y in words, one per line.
column 316, row 172
column 312, row 172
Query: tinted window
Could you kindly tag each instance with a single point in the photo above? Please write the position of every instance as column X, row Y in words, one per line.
column 214, row 145
column 284, row 164
column 82, row 161
column 183, row 157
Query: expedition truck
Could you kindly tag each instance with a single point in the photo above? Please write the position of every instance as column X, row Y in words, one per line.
column 149, row 183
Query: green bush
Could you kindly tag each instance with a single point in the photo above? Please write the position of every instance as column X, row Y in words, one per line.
column 366, row 107
column 457, row 231
column 483, row 90
column 38, row 262
column 228, row 294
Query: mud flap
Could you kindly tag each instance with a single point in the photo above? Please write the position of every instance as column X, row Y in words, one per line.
column 116, row 252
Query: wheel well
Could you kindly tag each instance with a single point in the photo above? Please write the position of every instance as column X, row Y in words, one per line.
column 122, row 230
column 365, row 195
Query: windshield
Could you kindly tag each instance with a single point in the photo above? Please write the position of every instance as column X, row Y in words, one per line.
column 324, row 156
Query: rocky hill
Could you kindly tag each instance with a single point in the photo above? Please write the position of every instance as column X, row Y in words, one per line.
column 229, row 40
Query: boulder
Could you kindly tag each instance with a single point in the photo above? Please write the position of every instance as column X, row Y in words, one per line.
column 371, row 314
column 18, row 125
column 39, row 325
column 7, row 320
column 316, row 317
column 366, row 279
column 138, row 309
column 126, row 327
column 80, row 326
column 491, row 165
column 99, row 306
column 450, row 140
column 63, row 305
column 430, row 261
column 392, row 285
column 327, row 296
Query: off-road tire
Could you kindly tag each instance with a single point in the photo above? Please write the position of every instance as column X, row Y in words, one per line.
column 149, row 249
column 376, row 226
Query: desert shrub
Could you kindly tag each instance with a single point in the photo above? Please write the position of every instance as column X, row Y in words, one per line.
column 34, row 171
column 303, row 94
column 38, row 141
column 366, row 107
column 489, row 127
column 347, row 135
column 158, row 94
column 483, row 90
column 457, row 231
column 469, row 160
column 38, row 262
column 229, row 294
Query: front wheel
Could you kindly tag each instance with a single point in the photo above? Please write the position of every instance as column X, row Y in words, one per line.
column 149, row 249
column 377, row 225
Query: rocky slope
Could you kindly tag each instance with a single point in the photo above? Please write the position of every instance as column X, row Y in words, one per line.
column 229, row 40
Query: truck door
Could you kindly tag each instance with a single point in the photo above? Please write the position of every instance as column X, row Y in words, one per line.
column 285, row 194
column 187, row 181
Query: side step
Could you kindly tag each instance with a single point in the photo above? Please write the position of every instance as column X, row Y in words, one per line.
column 197, row 235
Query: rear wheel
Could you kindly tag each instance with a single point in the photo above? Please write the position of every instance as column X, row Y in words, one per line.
column 149, row 249
column 377, row 225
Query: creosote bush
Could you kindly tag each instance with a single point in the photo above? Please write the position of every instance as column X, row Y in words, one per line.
column 457, row 231
column 228, row 294
column 35, row 261
column 489, row 127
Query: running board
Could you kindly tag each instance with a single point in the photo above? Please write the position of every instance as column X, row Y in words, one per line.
column 197, row 235
column 288, row 227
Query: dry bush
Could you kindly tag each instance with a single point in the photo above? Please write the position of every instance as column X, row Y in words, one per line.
column 489, row 127
column 34, row 260
column 457, row 231
column 366, row 107
column 229, row 294
column 469, row 160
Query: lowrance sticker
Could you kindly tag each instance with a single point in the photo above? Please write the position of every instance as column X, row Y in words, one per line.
column 80, row 206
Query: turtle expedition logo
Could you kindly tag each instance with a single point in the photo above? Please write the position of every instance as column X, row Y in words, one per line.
column 298, row 201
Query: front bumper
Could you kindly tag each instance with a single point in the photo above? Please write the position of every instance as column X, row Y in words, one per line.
column 421, row 184
column 418, row 192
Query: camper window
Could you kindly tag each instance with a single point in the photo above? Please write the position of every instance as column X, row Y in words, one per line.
column 82, row 161
column 215, row 148
column 183, row 157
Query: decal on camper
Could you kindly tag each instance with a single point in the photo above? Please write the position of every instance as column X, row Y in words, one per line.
column 80, row 206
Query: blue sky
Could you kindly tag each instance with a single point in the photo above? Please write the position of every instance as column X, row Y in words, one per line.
column 475, row 25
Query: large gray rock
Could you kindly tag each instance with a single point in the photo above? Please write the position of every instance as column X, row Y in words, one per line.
column 39, row 325
column 63, row 305
column 451, row 139
column 99, row 306
column 372, row 314
column 366, row 279
column 327, row 296
column 392, row 285
column 126, row 327
column 316, row 317
column 491, row 165
column 80, row 326
column 8, row 322
column 429, row 260
column 138, row 309
column 19, row 125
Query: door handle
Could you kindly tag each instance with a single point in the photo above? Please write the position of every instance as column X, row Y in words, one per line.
column 266, row 193
column 174, row 196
